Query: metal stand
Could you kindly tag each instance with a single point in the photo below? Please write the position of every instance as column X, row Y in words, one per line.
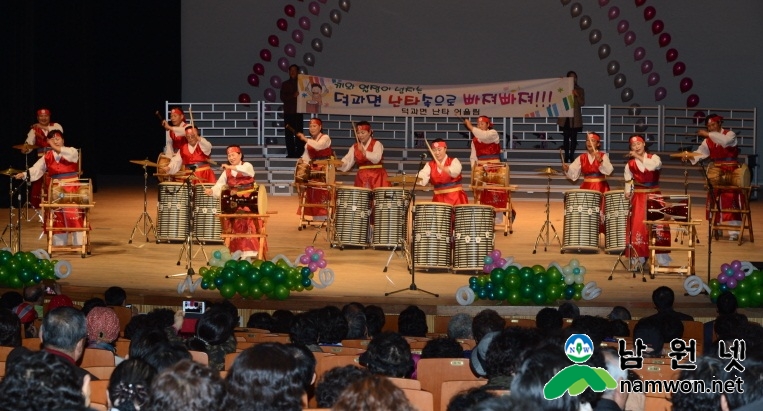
column 630, row 249
column 14, row 227
column 544, row 233
column 148, row 223
column 411, row 250
column 27, row 205
column 711, row 219
column 188, row 243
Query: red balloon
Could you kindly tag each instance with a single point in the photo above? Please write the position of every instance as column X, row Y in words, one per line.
column 646, row 66
column 622, row 26
column 679, row 68
column 314, row 8
column 253, row 80
column 265, row 54
column 640, row 3
column 603, row 3
column 686, row 84
column 298, row 36
column 289, row 10
column 664, row 39
column 270, row 95
column 258, row 69
column 660, row 93
column 657, row 27
column 304, row 22
column 273, row 40
column 692, row 100
column 290, row 50
column 649, row 13
column 244, row 98
column 629, row 38
column 699, row 116
column 671, row 55
column 282, row 24
column 653, row 79
column 639, row 53
column 614, row 12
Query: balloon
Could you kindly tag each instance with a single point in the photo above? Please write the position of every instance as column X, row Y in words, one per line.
column 614, row 12
column 265, row 54
column 679, row 68
column 649, row 13
column 576, row 9
column 640, row 126
column 686, row 84
column 620, row 80
column 315, row 257
column 273, row 40
column 660, row 93
column 603, row 3
column 275, row 81
column 282, row 24
column 290, row 50
column 639, row 53
column 640, row 3
column 270, row 95
column 217, row 254
column 635, row 109
column 304, row 22
column 585, row 22
column 653, row 79
column 253, row 81
column 622, row 26
column 664, row 39
column 626, row 95
column 314, row 8
column 671, row 55
column 283, row 64
column 699, row 117
column 488, row 259
column 322, row 263
column 731, row 283
column 309, row 59
column 297, row 36
column 613, row 67
column 344, row 5
column 317, row 45
column 594, row 36
column 304, row 259
column 335, row 16
column 565, row 2
column 630, row 38
column 604, row 51
column 244, row 98
column 313, row 266
column 692, row 100
column 496, row 254
column 646, row 66
column 326, row 29
column 657, row 27
column 289, row 10
column 259, row 69
column 227, row 291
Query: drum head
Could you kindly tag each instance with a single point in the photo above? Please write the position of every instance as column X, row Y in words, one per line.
column 262, row 200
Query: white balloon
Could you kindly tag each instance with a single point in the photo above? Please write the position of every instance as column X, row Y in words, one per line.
column 465, row 295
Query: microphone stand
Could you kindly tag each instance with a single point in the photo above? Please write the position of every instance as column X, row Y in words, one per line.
column 412, row 209
column 711, row 217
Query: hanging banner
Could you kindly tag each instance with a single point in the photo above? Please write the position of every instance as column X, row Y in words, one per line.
column 527, row 98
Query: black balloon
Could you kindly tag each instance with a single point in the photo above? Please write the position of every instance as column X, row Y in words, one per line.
column 613, row 67
column 344, row 5
column 594, row 36
column 620, row 80
column 335, row 16
column 309, row 59
column 565, row 2
column 604, row 51
column 585, row 22
column 576, row 9
column 626, row 94
column 640, row 126
column 635, row 109
column 317, row 45
column 326, row 29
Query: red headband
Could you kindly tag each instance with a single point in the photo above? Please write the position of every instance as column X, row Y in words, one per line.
column 43, row 111
column 637, row 138
column 485, row 119
column 178, row 112
column 366, row 127
column 317, row 121
column 438, row 144
column 594, row 136
column 714, row 119
column 235, row 149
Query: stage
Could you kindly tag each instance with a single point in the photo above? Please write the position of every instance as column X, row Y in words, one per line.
column 142, row 267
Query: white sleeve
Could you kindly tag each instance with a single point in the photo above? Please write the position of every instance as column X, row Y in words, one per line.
column 627, row 175
column 376, row 155
column 70, row 154
column 424, row 175
column 703, row 150
column 175, row 162
column 652, row 163
column 245, row 168
column 30, row 137
column 205, row 145
column 221, row 182
column 455, row 168
column 472, row 153
column 725, row 140
column 573, row 173
column 38, row 169
column 485, row 136
column 348, row 160
column 606, row 166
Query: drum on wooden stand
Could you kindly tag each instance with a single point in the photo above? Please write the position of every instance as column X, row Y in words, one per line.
column 432, row 235
column 302, row 173
column 615, row 220
column 206, row 226
column 351, row 216
column 75, row 191
column 172, row 212
column 581, row 221
column 739, row 177
column 390, row 223
column 472, row 236
column 256, row 199
column 161, row 162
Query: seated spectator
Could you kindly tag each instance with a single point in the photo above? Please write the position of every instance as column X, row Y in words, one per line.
column 596, row 328
column 725, row 304
column 412, row 322
column 617, row 328
column 708, row 369
column 304, row 330
column 479, row 354
column 152, row 346
column 650, row 334
column 353, row 307
column 753, row 384
column 356, row 325
column 569, row 310
column 505, row 349
column 613, row 400
column 305, row 362
column 214, row 336
column 26, row 314
column 442, row 348
column 373, row 393
column 537, row 368
column 334, row 381
column 35, row 295
column 375, row 319
column 187, row 386
column 63, row 333
column 102, row 328
column 43, row 381
column 460, row 327
column 282, row 321
column 10, row 329
column 115, row 296
column 549, row 320
column 10, row 299
column 60, row 300
column 663, row 298
column 619, row 313
column 465, row 400
column 136, row 324
column 92, row 303
column 332, row 326
column 261, row 320
column 485, row 322
column 129, row 385
column 264, row 377
column 388, row 354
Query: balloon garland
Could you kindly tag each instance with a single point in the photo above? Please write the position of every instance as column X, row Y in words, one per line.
column 740, row 278
column 24, row 269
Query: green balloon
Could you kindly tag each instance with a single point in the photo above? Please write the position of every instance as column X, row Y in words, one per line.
column 267, row 268
column 714, row 294
column 254, row 275
column 242, row 285
column 512, row 269
column 255, row 292
column 497, row 276
column 526, row 290
column 540, row 280
column 743, row 299
column 513, row 280
column 281, row 293
column 756, row 297
column 24, row 275
column 514, row 298
column 539, row 269
column 526, row 273
column 755, row 278
column 5, row 256
column 279, row 276
column 266, row 285
column 579, row 287
column 577, row 296
column 231, row 264
column 714, row 284
column 227, row 291
column 501, row 292
column 229, row 274
column 539, row 297
column 242, row 267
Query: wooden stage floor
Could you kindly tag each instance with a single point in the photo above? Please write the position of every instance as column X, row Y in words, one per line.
column 141, row 267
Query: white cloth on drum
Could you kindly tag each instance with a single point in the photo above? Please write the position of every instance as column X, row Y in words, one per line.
column 663, row 259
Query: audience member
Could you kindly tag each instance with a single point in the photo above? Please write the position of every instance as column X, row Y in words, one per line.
column 569, row 310
column 650, row 333
column 305, row 362
column 60, row 300
column 442, row 348
column 152, row 346
column 537, row 368
column 595, row 327
column 102, row 328
column 214, row 336
column 63, row 333
column 373, row 393
column 92, row 303
column 613, row 400
column 479, row 354
column 332, row 326
column 412, row 322
column 334, row 381
column 663, row 298
column 282, row 321
column 136, row 324
column 187, row 386
column 460, row 327
column 708, row 369
column 375, row 319
column 26, row 314
column 10, row 299
column 465, row 400
column 304, row 330
column 503, row 352
column 356, row 325
column 35, row 295
column 617, row 328
column 388, row 354
column 725, row 304
column 485, row 322
column 753, row 384
column 129, row 385
column 619, row 313
column 353, row 307
column 10, row 329
column 549, row 319
column 261, row 320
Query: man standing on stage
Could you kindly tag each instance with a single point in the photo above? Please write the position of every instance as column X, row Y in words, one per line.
column 293, row 119
column 571, row 126
column 194, row 155
column 38, row 136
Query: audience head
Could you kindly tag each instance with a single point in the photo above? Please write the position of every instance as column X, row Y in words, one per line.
column 10, row 329
column 102, row 325
column 26, row 313
column 60, row 300
column 92, row 303
column 442, row 348
column 506, row 348
column 166, row 355
column 304, row 329
column 460, row 327
column 650, row 334
column 595, row 327
column 282, row 321
column 353, row 307
column 261, row 320
column 569, row 310
column 485, row 322
column 412, row 322
column 753, row 382
column 465, row 400
column 115, row 296
column 619, row 313
column 332, row 326
column 213, row 328
column 129, row 385
column 612, row 364
column 137, row 324
column 305, row 363
column 537, row 368
column 375, row 319
column 726, row 303
column 356, row 325
column 388, row 354
column 11, row 299
column 663, row 297
column 731, row 326
column 618, row 328
column 34, row 294
column 64, row 329
column 187, row 386
column 479, row 354
column 708, row 369
column 373, row 393
column 549, row 319
column 334, row 381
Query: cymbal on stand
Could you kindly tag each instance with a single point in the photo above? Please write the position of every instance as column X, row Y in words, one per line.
column 327, row 162
column 403, row 178
column 685, row 154
column 25, row 147
column 547, row 171
column 144, row 163
column 10, row 171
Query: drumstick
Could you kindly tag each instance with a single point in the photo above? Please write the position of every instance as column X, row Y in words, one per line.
column 355, row 131
column 190, row 113
column 159, row 115
column 561, row 155
column 431, row 152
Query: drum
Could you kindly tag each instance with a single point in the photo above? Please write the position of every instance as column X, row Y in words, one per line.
column 472, row 236
column 352, row 212
column 390, row 223
column 581, row 221
column 496, row 174
column 615, row 220
column 739, row 177
column 431, row 226
column 161, row 162
column 255, row 199
column 76, row 191
column 206, row 226
column 668, row 207
column 302, row 172
column 172, row 212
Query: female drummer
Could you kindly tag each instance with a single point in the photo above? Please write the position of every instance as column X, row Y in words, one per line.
column 62, row 164
column 175, row 136
column 368, row 154
column 238, row 177
column 594, row 165
column 642, row 178
column 445, row 174
column 317, row 147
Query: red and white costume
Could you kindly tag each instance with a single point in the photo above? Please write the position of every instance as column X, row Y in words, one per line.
column 198, row 156
column 371, row 173
column 447, row 186
column 240, row 179
column 594, row 174
column 38, row 136
column 486, row 148
column 318, row 148
column 175, row 136
column 646, row 181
